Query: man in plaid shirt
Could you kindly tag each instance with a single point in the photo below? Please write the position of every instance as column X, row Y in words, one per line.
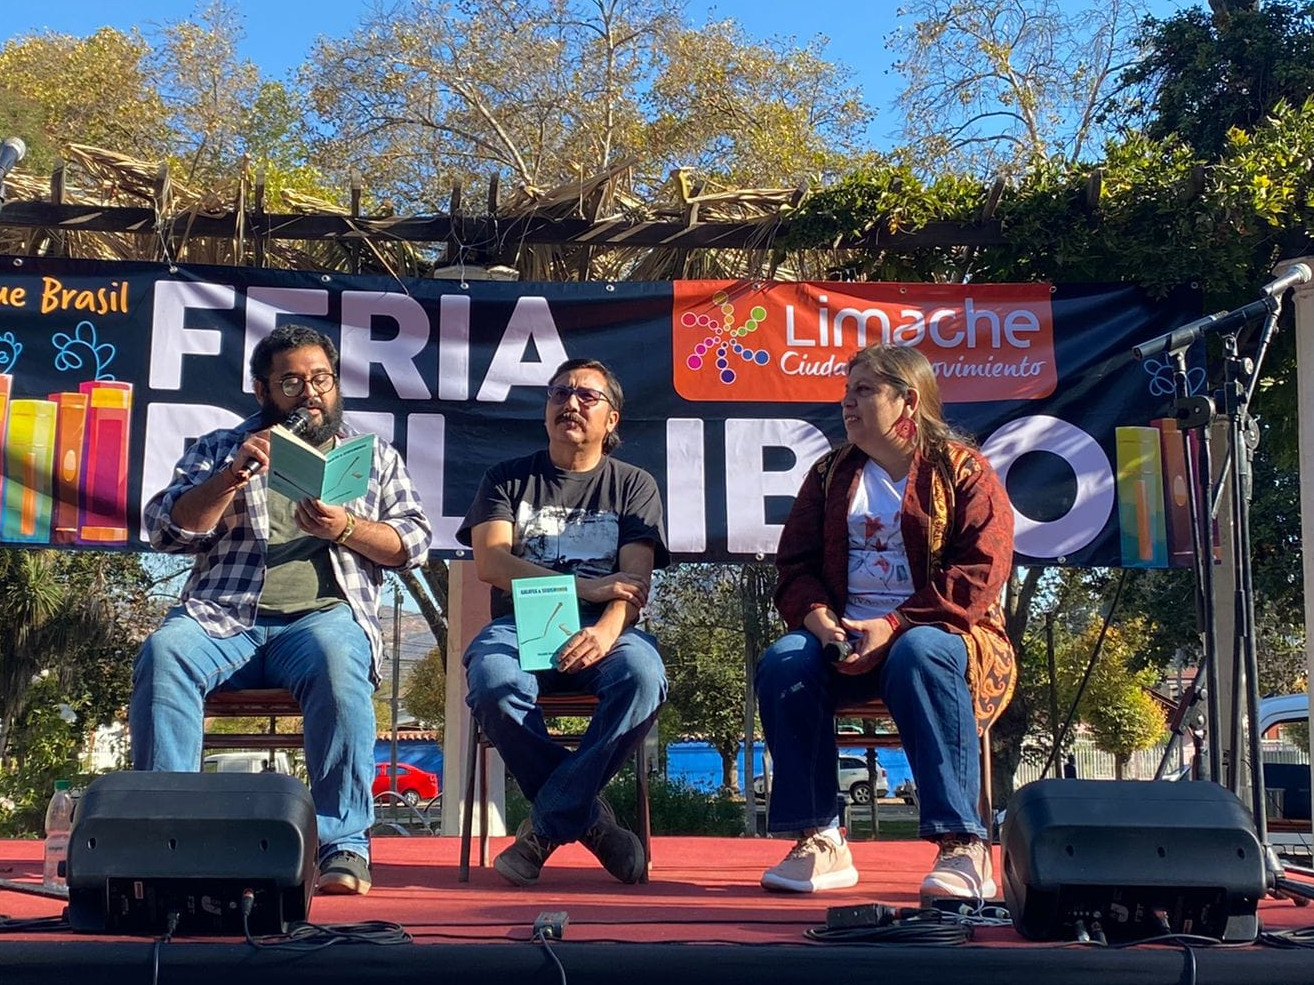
column 282, row 594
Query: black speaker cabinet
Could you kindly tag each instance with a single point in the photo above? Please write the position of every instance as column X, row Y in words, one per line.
column 145, row 846
column 1134, row 859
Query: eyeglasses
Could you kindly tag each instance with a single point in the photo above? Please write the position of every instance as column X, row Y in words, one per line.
column 586, row 395
column 295, row 386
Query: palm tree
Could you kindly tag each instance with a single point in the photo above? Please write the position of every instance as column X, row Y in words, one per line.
column 53, row 605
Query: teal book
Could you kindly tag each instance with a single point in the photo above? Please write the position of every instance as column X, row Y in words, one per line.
column 547, row 614
column 299, row 470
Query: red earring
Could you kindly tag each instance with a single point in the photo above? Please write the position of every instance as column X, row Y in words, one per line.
column 905, row 429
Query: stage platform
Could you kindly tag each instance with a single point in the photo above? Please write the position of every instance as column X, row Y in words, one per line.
column 702, row 918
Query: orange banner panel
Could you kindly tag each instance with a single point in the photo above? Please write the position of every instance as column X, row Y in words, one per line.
column 789, row 342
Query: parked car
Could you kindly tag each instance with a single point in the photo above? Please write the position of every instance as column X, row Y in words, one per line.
column 413, row 783
column 247, row 762
column 853, row 780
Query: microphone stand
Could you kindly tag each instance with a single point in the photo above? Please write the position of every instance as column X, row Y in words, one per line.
column 1240, row 380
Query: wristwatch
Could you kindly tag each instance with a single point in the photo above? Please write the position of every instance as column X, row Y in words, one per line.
column 348, row 530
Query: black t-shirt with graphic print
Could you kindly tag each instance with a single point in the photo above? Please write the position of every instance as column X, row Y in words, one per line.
column 571, row 522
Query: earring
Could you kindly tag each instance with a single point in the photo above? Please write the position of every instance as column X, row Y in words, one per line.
column 905, row 429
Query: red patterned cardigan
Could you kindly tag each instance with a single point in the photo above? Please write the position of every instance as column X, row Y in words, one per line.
column 958, row 531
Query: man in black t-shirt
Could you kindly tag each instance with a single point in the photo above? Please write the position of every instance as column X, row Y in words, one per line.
column 571, row 509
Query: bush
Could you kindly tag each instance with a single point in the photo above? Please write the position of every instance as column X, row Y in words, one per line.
column 676, row 807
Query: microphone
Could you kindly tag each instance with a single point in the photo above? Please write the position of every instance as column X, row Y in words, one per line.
column 298, row 422
column 1297, row 273
column 11, row 152
column 836, row 650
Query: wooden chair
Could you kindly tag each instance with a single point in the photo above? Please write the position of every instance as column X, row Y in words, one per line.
column 272, row 703
column 553, row 706
column 876, row 710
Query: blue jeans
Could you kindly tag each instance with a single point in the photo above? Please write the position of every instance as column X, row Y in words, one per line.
column 923, row 682
column 322, row 657
column 563, row 785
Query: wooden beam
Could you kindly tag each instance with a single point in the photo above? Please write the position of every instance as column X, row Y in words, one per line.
column 439, row 228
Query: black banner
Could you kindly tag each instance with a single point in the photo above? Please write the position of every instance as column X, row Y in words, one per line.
column 731, row 391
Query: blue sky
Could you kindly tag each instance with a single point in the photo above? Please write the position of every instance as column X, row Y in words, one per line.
column 279, row 33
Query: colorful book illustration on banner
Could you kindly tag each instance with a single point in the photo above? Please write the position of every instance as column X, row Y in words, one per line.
column 104, row 517
column 70, row 442
column 1176, row 491
column 65, row 458
column 299, row 470
column 1140, row 498
column 547, row 614
column 29, row 461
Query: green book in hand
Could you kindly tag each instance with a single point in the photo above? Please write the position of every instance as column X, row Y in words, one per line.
column 299, row 470
column 547, row 614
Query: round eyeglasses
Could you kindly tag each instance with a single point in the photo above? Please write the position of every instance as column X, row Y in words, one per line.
column 295, row 386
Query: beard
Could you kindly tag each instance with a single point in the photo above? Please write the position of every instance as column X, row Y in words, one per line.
column 315, row 434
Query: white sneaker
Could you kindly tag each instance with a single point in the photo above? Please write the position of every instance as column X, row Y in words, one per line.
column 816, row 862
column 962, row 870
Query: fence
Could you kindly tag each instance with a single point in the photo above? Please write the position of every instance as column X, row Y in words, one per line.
column 1093, row 764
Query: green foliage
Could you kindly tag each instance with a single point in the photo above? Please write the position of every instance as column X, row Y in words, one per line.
column 1163, row 216
column 706, row 618
column 676, row 807
column 1202, row 75
column 50, row 735
column 424, row 691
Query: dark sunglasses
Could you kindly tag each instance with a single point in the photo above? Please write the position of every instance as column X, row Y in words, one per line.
column 586, row 395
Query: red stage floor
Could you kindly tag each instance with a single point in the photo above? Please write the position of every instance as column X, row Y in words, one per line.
column 702, row 890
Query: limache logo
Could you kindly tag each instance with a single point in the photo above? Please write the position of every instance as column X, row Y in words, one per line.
column 791, row 342
column 725, row 350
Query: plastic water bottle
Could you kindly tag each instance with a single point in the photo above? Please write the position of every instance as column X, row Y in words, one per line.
column 59, row 822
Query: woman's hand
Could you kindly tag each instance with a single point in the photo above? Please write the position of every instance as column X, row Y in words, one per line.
column 823, row 624
column 872, row 646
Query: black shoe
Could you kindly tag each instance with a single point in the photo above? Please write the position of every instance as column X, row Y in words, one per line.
column 618, row 849
column 344, row 874
column 523, row 860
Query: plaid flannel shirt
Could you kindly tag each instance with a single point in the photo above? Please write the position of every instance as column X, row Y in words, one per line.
column 224, row 587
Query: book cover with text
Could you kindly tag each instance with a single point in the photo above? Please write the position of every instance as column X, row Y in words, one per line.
column 299, row 470
column 547, row 614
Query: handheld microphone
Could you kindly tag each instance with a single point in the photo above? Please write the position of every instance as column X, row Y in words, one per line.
column 1297, row 273
column 298, row 422
column 11, row 152
column 836, row 650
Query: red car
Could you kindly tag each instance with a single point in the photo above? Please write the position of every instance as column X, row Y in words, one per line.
column 413, row 783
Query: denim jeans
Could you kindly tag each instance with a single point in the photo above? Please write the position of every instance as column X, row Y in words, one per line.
column 322, row 657
column 563, row 785
column 923, row 682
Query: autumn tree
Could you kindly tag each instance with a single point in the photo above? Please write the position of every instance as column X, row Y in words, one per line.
column 98, row 90
column 1122, row 716
column 544, row 92
column 996, row 85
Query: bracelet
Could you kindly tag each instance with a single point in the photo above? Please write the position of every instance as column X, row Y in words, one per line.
column 893, row 620
column 348, row 530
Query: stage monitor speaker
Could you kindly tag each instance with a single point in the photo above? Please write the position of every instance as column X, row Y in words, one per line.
column 1134, row 859
column 145, row 846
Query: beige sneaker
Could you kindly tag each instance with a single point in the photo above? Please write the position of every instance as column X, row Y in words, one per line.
column 816, row 862
column 962, row 870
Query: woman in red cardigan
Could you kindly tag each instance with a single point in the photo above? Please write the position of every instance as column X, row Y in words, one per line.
column 890, row 569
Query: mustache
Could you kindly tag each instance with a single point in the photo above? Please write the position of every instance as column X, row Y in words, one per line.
column 568, row 416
